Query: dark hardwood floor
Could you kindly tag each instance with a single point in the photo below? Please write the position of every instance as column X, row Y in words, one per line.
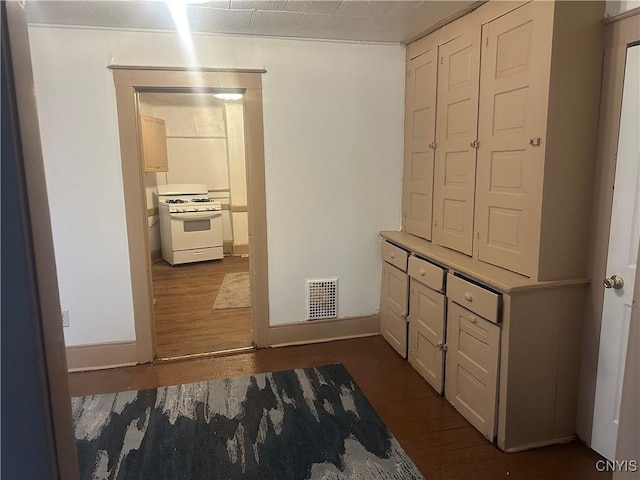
column 441, row 443
column 185, row 322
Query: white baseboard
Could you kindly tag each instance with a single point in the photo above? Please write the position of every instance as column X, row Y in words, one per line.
column 315, row 331
column 96, row 356
column 545, row 443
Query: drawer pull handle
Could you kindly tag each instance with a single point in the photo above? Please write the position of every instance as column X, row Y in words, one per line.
column 473, row 319
column 403, row 316
column 468, row 297
column 392, row 255
column 422, row 272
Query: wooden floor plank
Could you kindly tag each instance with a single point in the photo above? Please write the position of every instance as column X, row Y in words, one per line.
column 440, row 441
column 185, row 321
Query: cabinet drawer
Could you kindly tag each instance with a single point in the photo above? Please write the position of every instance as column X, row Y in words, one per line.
column 394, row 255
column 426, row 273
column 473, row 297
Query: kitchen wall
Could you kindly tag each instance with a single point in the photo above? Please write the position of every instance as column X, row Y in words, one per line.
column 333, row 124
column 615, row 7
column 203, row 146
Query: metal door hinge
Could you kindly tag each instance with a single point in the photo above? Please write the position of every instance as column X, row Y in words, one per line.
column 441, row 60
column 534, row 142
column 435, row 223
column 478, row 235
column 475, row 144
column 486, row 42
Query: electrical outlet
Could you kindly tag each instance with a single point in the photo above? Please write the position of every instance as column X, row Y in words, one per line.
column 65, row 318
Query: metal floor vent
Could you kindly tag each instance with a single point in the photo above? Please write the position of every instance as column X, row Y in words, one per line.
column 322, row 298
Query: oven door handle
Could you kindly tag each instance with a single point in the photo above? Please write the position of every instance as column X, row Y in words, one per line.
column 195, row 215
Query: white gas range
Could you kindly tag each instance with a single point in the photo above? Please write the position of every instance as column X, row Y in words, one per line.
column 190, row 224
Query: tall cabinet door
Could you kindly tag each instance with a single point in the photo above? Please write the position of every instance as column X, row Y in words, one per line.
column 420, row 129
column 514, row 84
column 473, row 346
column 457, row 128
column 426, row 333
column 393, row 307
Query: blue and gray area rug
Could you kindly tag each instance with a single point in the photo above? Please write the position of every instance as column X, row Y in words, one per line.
column 310, row 423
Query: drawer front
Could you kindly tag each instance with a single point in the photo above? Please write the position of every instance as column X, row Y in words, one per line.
column 426, row 273
column 472, row 297
column 395, row 256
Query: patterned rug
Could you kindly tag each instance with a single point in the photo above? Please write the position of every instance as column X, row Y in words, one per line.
column 310, row 423
column 235, row 292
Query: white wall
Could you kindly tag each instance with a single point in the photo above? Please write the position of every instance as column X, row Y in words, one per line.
column 615, row 7
column 333, row 123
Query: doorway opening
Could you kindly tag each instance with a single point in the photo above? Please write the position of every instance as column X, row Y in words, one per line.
column 135, row 91
column 193, row 152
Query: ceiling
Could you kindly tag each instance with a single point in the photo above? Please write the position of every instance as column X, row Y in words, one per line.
column 396, row 21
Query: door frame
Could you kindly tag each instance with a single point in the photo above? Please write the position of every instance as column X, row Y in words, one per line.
column 620, row 32
column 128, row 80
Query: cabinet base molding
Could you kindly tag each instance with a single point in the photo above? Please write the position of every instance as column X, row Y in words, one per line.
column 546, row 443
column 97, row 356
column 304, row 332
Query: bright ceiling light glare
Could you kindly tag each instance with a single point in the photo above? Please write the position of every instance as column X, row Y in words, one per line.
column 228, row 96
column 178, row 10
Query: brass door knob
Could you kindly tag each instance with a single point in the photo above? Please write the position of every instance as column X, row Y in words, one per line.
column 615, row 281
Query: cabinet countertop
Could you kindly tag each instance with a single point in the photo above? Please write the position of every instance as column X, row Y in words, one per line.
column 497, row 278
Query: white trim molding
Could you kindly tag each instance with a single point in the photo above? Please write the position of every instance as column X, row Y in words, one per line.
column 316, row 331
column 96, row 356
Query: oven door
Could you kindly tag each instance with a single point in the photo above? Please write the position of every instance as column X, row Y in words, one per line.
column 196, row 230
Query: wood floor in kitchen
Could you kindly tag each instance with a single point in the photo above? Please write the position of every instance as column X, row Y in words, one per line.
column 185, row 321
column 438, row 439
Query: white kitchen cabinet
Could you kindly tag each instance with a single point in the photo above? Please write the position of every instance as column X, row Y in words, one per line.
column 510, row 355
column 473, row 349
column 393, row 301
column 457, row 132
column 427, row 333
column 154, row 144
column 517, row 97
column 419, row 133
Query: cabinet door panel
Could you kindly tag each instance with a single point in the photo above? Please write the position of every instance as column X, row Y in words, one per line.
column 473, row 346
column 426, row 333
column 393, row 307
column 420, row 128
column 457, row 128
column 514, row 85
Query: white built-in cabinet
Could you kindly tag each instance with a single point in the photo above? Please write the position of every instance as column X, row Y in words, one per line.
column 427, row 305
column 500, row 129
column 457, row 131
column 393, row 302
column 420, row 131
column 501, row 114
column 154, row 144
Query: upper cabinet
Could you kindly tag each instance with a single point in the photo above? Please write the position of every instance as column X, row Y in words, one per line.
column 420, row 132
column 154, row 144
column 515, row 87
column 456, row 140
